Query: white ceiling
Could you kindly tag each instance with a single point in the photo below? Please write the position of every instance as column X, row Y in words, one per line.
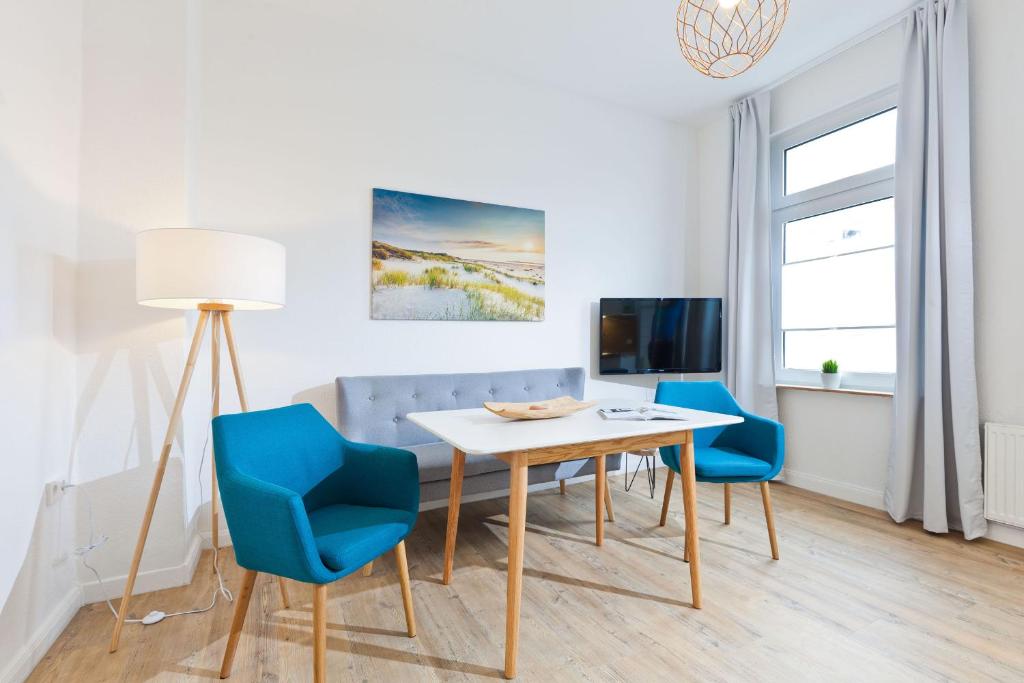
column 622, row 51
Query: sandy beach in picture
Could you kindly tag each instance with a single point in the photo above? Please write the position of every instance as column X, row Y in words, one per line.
column 447, row 259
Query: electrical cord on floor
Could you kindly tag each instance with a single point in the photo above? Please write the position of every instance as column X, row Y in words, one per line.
column 155, row 616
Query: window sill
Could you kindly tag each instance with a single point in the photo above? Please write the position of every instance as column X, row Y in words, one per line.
column 854, row 392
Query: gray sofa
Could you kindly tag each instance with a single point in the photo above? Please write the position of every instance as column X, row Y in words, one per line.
column 374, row 409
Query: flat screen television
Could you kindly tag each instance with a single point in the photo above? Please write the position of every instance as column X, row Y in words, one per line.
column 644, row 336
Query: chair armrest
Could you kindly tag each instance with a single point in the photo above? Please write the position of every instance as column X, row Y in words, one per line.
column 270, row 529
column 379, row 476
column 756, row 436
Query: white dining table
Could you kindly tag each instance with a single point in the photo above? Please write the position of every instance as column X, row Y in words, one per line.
column 522, row 443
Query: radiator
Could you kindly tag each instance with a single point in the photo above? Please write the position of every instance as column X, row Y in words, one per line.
column 1004, row 474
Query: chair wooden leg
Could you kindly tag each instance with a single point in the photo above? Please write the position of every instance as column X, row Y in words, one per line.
column 320, row 633
column 454, row 500
column 561, row 487
column 237, row 621
column 403, row 578
column 608, row 500
column 769, row 516
column 368, row 568
column 728, row 503
column 285, row 600
column 668, row 496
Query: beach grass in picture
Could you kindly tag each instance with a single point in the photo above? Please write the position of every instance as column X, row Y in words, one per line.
column 448, row 259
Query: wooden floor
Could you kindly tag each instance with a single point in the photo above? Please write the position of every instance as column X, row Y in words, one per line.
column 854, row 597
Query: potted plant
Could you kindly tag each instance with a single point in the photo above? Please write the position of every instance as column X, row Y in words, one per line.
column 830, row 376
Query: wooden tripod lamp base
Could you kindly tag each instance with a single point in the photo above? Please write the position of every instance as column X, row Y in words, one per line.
column 182, row 268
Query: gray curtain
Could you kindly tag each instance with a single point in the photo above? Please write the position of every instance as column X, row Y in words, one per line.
column 935, row 455
column 749, row 356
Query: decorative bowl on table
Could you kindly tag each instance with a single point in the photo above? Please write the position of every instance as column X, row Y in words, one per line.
column 539, row 410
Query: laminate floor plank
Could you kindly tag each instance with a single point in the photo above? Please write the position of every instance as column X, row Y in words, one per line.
column 855, row 597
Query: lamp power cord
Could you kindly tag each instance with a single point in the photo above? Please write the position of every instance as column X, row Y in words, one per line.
column 156, row 616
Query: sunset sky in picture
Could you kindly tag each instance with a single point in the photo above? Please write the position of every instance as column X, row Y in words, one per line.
column 469, row 230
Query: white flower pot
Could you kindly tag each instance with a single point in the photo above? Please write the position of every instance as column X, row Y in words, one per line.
column 831, row 380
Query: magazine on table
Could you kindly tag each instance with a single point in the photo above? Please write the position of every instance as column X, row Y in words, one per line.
column 642, row 413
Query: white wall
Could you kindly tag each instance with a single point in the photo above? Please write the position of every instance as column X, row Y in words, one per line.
column 129, row 357
column 838, row 444
column 92, row 107
column 189, row 118
column 301, row 113
column 997, row 134
column 40, row 84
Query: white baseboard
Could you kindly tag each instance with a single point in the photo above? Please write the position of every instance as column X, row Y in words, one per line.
column 146, row 581
column 837, row 489
column 1010, row 535
column 31, row 653
column 224, row 538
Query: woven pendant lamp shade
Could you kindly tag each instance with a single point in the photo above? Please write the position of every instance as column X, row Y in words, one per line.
column 724, row 38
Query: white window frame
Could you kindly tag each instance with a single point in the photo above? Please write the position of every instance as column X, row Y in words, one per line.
column 847, row 192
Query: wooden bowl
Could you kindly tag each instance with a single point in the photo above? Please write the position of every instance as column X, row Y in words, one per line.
column 539, row 410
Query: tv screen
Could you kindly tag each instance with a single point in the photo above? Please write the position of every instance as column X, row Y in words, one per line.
column 640, row 336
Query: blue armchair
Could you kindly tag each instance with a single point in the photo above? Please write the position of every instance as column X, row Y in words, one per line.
column 751, row 451
column 304, row 503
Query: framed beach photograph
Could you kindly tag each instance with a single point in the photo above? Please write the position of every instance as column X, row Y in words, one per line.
column 435, row 258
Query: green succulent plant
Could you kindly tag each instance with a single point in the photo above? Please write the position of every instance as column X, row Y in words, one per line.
column 830, row 367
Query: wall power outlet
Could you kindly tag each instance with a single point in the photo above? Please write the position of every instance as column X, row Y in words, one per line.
column 55, row 490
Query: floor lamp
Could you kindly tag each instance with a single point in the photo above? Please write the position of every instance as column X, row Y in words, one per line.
column 217, row 273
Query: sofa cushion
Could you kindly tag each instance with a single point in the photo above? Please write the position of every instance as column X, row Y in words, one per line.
column 435, row 462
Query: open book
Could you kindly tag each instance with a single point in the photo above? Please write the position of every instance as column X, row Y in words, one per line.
column 641, row 413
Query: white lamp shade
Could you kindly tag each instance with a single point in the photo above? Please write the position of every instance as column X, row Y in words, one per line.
column 186, row 267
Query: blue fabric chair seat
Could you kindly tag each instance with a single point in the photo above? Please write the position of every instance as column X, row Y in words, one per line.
column 728, row 463
column 720, row 464
column 349, row 536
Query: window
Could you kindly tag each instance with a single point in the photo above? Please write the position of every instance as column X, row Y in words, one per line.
column 834, row 233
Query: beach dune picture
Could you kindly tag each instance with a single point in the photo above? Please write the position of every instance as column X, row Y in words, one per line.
column 448, row 259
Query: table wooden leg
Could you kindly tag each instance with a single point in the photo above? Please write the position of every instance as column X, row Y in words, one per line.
column 689, row 483
column 600, row 481
column 518, row 480
column 454, row 500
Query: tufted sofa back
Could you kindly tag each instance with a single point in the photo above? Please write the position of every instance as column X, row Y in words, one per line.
column 373, row 409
